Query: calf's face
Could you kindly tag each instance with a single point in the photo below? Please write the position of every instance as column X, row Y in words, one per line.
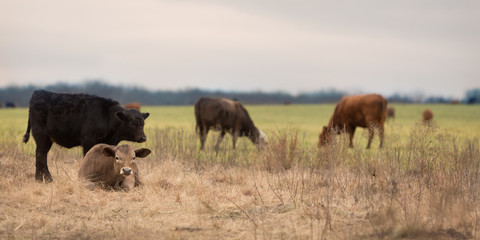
column 125, row 157
column 132, row 122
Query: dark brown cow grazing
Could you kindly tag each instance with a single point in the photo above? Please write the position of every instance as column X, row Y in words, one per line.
column 72, row 120
column 225, row 115
column 427, row 116
column 366, row 111
column 390, row 113
column 114, row 167
column 133, row 105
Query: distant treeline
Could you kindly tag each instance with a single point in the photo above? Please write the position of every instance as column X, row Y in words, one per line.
column 19, row 96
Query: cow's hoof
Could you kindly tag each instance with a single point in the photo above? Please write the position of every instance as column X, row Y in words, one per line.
column 48, row 179
column 43, row 177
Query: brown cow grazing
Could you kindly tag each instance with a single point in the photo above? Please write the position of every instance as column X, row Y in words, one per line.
column 427, row 116
column 133, row 105
column 225, row 115
column 111, row 166
column 366, row 111
column 390, row 113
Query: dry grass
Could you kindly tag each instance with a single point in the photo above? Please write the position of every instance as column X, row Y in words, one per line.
column 427, row 188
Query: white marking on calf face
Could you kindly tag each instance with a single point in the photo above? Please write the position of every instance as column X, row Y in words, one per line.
column 126, row 171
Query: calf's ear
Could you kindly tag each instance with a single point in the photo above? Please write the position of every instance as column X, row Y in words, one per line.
column 145, row 115
column 121, row 116
column 108, row 151
column 142, row 152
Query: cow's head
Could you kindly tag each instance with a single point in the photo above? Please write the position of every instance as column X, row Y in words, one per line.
column 259, row 138
column 132, row 122
column 125, row 157
column 325, row 136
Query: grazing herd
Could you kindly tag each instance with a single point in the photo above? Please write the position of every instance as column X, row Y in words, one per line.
column 99, row 124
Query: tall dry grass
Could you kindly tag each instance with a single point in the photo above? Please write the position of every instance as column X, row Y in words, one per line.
column 424, row 188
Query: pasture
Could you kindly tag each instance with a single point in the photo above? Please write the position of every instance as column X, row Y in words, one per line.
column 424, row 183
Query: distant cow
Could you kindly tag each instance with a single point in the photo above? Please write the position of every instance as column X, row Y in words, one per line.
column 10, row 105
column 112, row 167
column 133, row 105
column 366, row 111
column 225, row 115
column 78, row 120
column 390, row 113
column 427, row 116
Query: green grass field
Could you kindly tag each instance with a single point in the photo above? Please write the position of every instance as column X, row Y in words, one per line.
column 424, row 183
column 459, row 120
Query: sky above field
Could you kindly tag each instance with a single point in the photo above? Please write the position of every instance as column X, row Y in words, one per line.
column 410, row 46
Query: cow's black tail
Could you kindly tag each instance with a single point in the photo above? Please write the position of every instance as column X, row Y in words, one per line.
column 27, row 134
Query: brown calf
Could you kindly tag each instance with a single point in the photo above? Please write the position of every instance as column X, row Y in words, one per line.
column 114, row 167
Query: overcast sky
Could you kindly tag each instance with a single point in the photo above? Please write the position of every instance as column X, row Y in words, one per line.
column 380, row 46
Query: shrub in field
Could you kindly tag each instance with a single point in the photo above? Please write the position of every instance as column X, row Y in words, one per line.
column 283, row 151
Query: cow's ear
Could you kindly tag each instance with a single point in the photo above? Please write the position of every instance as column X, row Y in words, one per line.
column 121, row 116
column 108, row 152
column 145, row 115
column 142, row 152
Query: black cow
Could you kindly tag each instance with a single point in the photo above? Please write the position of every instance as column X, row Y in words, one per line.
column 78, row 120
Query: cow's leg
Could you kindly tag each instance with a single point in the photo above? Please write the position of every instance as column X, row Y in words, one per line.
column 203, row 136
column 235, row 138
column 220, row 138
column 43, row 146
column 351, row 132
column 87, row 145
column 382, row 135
column 86, row 148
column 371, row 131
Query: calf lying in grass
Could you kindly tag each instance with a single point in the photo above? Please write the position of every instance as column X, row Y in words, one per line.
column 110, row 166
